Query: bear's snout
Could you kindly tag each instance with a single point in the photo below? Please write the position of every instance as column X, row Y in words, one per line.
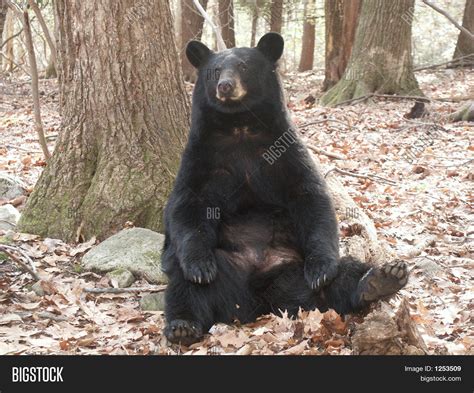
column 229, row 87
column 225, row 87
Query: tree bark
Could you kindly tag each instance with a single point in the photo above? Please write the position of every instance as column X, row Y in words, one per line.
column 124, row 121
column 192, row 24
column 381, row 59
column 341, row 22
column 3, row 17
column 309, row 32
column 276, row 15
column 465, row 45
column 226, row 21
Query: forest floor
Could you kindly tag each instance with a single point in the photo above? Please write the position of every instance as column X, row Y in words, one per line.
column 421, row 203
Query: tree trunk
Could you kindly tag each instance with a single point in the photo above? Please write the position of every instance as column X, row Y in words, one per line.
column 465, row 45
column 309, row 32
column 3, row 17
column 276, row 15
column 50, row 71
column 124, row 121
column 381, row 59
column 253, row 34
column 226, row 20
column 191, row 29
column 341, row 21
column 9, row 52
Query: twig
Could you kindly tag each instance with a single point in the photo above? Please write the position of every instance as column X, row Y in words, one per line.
column 9, row 250
column 370, row 177
column 454, row 99
column 456, row 60
column 50, row 315
column 362, row 98
column 9, row 145
column 220, row 42
column 324, row 152
column 157, row 288
column 451, row 19
column 16, row 64
column 323, row 121
column 11, row 38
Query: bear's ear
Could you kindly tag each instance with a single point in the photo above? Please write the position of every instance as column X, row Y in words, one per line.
column 271, row 45
column 197, row 53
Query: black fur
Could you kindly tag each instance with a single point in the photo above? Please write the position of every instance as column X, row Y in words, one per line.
column 250, row 227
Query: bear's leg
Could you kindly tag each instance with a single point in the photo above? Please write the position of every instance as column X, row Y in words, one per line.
column 192, row 308
column 356, row 286
column 184, row 324
column 359, row 284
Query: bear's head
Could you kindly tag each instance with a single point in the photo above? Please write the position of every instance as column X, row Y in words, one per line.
column 237, row 79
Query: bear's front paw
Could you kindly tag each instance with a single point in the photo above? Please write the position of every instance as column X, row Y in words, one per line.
column 183, row 332
column 320, row 271
column 200, row 271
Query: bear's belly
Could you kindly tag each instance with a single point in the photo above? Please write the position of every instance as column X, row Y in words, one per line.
column 258, row 240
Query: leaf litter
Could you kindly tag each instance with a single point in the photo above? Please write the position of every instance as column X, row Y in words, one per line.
column 426, row 215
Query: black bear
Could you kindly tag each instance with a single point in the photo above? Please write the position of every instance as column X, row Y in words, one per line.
column 250, row 228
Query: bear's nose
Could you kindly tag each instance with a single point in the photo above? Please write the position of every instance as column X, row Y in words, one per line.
column 225, row 87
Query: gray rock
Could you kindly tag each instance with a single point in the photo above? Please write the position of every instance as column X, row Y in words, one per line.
column 121, row 278
column 10, row 187
column 137, row 250
column 153, row 302
column 9, row 217
column 429, row 267
column 37, row 288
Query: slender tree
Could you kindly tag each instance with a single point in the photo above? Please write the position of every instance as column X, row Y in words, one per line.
column 276, row 15
column 3, row 17
column 191, row 29
column 341, row 21
column 124, row 121
column 465, row 45
column 226, row 21
column 381, row 59
column 309, row 33
column 253, row 33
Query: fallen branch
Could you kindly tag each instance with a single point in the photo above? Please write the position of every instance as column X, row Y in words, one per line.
column 370, row 177
column 456, row 60
column 10, row 251
column 324, row 152
column 352, row 100
column 157, row 288
column 418, row 248
column 450, row 18
column 220, row 42
column 387, row 96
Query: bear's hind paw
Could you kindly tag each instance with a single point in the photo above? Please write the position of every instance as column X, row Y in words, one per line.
column 383, row 281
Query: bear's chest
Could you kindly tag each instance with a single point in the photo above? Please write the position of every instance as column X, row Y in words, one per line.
column 241, row 150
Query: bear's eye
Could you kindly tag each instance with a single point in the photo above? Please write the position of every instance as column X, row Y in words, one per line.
column 217, row 73
column 243, row 67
